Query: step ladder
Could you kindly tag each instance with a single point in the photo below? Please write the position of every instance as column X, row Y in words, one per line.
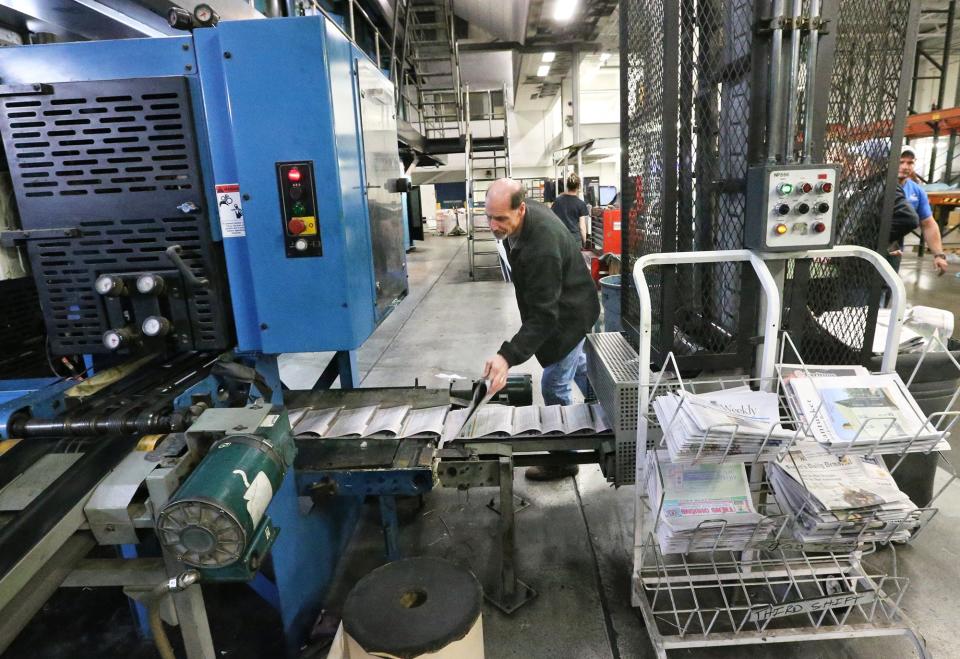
column 425, row 68
column 487, row 159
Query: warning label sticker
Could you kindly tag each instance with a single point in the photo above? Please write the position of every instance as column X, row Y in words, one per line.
column 230, row 211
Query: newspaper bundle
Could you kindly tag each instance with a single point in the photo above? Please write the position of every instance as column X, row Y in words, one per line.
column 736, row 424
column 860, row 414
column 840, row 499
column 703, row 507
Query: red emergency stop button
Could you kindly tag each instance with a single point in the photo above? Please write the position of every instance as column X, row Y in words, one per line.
column 296, row 226
column 819, row 227
column 826, row 186
column 293, row 175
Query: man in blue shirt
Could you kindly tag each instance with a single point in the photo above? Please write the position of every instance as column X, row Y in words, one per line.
column 917, row 197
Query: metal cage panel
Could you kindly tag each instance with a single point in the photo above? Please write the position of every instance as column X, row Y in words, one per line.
column 693, row 118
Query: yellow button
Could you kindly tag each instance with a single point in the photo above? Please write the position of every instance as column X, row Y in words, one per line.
column 310, row 225
column 781, row 229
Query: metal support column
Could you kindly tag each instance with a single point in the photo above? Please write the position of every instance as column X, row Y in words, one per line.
column 575, row 93
column 353, row 33
column 391, row 526
column 513, row 593
column 495, row 466
column 942, row 90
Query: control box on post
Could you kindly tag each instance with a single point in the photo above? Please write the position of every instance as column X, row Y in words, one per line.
column 791, row 207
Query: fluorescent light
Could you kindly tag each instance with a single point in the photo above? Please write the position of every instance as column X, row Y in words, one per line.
column 548, row 57
column 543, row 71
column 563, row 9
column 604, row 57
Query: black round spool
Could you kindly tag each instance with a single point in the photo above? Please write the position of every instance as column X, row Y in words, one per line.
column 412, row 607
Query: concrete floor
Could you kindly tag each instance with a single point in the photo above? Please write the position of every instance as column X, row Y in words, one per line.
column 575, row 540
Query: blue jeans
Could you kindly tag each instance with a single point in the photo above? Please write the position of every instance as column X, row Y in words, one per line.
column 555, row 383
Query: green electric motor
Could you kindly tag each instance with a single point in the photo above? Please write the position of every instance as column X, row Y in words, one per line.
column 217, row 521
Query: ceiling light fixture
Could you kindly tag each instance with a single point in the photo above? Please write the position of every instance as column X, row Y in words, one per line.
column 543, row 71
column 563, row 9
column 548, row 56
column 604, row 57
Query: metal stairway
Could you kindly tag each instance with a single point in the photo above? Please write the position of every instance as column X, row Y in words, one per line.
column 487, row 159
column 426, row 69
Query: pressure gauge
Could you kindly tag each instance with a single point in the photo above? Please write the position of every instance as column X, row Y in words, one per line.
column 155, row 326
column 110, row 285
column 150, row 284
column 205, row 15
column 114, row 339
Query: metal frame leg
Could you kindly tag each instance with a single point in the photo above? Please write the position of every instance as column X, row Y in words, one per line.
column 391, row 526
column 347, row 365
column 137, row 609
column 513, row 593
column 192, row 618
column 344, row 366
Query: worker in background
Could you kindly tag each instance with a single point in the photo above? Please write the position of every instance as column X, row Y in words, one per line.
column 570, row 208
column 556, row 296
column 917, row 197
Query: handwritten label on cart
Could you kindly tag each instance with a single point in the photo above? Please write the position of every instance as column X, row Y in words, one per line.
column 765, row 612
column 230, row 211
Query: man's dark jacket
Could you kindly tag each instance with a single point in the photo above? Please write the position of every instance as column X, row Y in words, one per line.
column 556, row 295
column 905, row 218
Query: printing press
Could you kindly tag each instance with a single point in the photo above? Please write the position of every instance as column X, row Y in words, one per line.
column 188, row 209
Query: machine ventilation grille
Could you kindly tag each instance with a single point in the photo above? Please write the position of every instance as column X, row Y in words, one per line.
column 118, row 161
column 21, row 330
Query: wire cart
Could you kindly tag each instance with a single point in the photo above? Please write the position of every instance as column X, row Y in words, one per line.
column 778, row 589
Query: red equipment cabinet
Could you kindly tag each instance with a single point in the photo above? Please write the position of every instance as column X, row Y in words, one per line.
column 611, row 231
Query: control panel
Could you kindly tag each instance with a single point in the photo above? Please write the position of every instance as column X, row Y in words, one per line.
column 298, row 209
column 791, row 207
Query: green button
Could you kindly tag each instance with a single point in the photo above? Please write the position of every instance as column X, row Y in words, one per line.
column 299, row 209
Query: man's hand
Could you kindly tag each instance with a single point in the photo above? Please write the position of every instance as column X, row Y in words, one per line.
column 940, row 263
column 495, row 371
column 895, row 252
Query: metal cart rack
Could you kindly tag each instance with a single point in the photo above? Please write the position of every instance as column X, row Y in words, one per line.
column 778, row 589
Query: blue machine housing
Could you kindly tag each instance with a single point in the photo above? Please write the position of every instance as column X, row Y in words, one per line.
column 265, row 92
column 278, row 91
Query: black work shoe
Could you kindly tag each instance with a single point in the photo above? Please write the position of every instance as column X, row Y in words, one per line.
column 551, row 472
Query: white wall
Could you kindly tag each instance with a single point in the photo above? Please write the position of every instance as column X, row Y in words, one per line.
column 531, row 134
column 428, row 201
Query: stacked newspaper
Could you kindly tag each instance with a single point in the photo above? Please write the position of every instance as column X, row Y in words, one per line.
column 731, row 424
column 703, row 507
column 841, row 500
column 861, row 414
